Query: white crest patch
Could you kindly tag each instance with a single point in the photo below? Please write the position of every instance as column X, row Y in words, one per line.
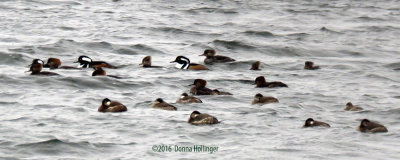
column 87, row 59
column 182, row 96
column 312, row 122
column 108, row 103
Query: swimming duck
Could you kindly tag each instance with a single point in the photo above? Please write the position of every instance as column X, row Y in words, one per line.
column 111, row 106
column 256, row 65
column 160, row 104
column 200, row 88
column 368, row 126
column 184, row 63
column 86, row 62
column 55, row 63
column 185, row 98
column 217, row 92
column 260, row 99
column 260, row 82
column 146, row 63
column 98, row 71
column 201, row 118
column 310, row 66
column 36, row 68
column 212, row 58
column 311, row 123
column 350, row 107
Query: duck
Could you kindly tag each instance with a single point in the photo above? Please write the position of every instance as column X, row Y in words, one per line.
column 111, row 106
column 260, row 99
column 160, row 104
column 200, row 88
column 211, row 57
column 55, row 63
column 146, row 63
column 256, row 66
column 198, row 118
column 87, row 62
column 36, row 69
column 184, row 63
column 185, row 98
column 217, row 92
column 261, row 82
column 312, row 123
column 310, row 66
column 351, row 107
column 368, row 126
column 98, row 71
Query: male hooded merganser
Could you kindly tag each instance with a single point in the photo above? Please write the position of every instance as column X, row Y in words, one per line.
column 146, row 63
column 36, row 68
column 368, row 126
column 55, row 63
column 184, row 63
column 260, row 99
column 111, row 106
column 87, row 62
column 212, row 58
column 311, row 123
column 185, row 98
column 200, row 88
column 98, row 71
column 256, row 66
column 310, row 66
column 201, row 118
column 260, row 82
column 160, row 104
column 350, row 107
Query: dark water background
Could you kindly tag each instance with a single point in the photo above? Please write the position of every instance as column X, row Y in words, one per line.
column 355, row 42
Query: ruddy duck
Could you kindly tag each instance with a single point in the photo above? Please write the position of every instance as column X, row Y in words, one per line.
column 368, row 126
column 160, row 104
column 55, row 63
column 36, row 68
column 111, row 106
column 146, row 63
column 310, row 66
column 256, row 66
column 98, row 71
column 184, row 63
column 201, row 118
column 260, row 99
column 311, row 123
column 350, row 107
column 185, row 98
column 260, row 82
column 87, row 62
column 217, row 92
column 200, row 88
column 212, row 58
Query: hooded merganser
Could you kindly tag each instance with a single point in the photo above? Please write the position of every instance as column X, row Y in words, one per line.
column 212, row 58
column 36, row 68
column 201, row 118
column 350, row 107
column 310, row 66
column 55, row 63
column 184, row 63
column 146, row 63
column 311, row 123
column 260, row 82
column 368, row 126
column 86, row 62
column 260, row 99
column 111, row 106
column 256, row 66
column 98, row 71
column 160, row 104
column 185, row 98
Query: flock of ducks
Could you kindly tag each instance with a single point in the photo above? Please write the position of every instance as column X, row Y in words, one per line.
column 199, row 87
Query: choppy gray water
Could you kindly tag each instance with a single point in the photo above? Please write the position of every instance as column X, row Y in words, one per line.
column 355, row 42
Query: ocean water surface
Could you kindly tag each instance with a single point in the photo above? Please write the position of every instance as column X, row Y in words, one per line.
column 355, row 43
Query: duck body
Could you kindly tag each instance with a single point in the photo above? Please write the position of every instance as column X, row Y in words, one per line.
column 198, row 118
column 111, row 106
column 161, row 104
column 184, row 63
